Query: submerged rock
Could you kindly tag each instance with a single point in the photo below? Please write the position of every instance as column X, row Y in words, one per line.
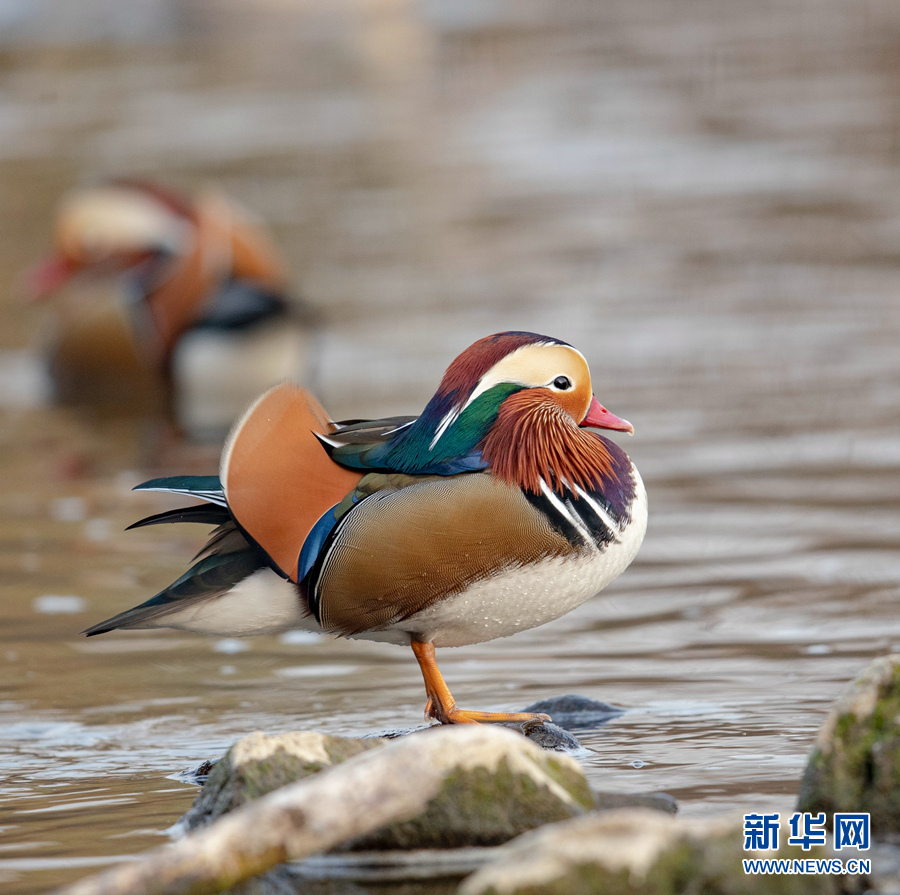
column 633, row 852
column 855, row 763
column 197, row 775
column 259, row 764
column 552, row 738
column 546, row 735
column 571, row 712
column 574, row 712
column 655, row 801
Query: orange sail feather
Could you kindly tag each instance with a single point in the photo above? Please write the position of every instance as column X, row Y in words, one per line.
column 277, row 477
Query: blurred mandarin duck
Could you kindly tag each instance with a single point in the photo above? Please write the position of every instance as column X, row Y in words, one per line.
column 204, row 322
column 493, row 512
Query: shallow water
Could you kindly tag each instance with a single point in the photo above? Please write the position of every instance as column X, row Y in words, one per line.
column 702, row 197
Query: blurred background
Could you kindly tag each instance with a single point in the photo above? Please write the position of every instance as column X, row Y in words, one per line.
column 703, row 196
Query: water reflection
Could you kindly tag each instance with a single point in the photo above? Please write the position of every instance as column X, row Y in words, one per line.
column 703, row 199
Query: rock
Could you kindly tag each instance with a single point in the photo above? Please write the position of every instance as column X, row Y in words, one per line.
column 570, row 712
column 490, row 794
column 259, row 763
column 855, row 763
column 655, row 801
column 637, row 852
column 198, row 775
column 552, row 738
column 485, row 798
column 448, row 786
column 885, row 876
column 574, row 712
column 547, row 736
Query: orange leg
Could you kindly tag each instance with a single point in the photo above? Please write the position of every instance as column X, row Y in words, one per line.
column 442, row 706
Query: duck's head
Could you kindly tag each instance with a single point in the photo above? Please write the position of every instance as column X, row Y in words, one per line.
column 111, row 228
column 514, row 395
column 516, row 371
column 540, row 369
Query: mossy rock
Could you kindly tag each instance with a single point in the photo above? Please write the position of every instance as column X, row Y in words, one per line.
column 855, row 764
column 494, row 784
column 492, row 798
column 258, row 764
column 636, row 852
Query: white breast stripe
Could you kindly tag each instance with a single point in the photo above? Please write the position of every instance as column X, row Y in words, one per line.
column 601, row 512
column 564, row 510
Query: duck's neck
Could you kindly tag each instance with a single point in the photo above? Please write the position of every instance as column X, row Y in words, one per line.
column 444, row 433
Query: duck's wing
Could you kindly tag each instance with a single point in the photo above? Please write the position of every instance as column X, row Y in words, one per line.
column 279, row 482
column 415, row 541
column 395, row 445
column 360, row 444
column 277, row 485
column 368, row 431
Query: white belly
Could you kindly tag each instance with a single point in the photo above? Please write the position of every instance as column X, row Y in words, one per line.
column 525, row 597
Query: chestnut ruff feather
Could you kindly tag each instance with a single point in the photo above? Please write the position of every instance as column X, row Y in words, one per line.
column 533, row 438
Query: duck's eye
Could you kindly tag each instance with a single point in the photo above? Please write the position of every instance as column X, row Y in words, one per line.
column 562, row 383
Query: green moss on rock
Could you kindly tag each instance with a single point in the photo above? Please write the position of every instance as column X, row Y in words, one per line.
column 572, row 780
column 855, row 764
column 486, row 806
column 258, row 764
column 487, row 790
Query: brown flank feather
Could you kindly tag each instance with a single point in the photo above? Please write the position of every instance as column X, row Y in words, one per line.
column 533, row 438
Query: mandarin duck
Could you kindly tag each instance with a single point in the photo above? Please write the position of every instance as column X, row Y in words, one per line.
column 204, row 322
column 495, row 511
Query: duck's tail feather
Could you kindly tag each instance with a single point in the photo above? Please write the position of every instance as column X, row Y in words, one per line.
column 204, row 487
column 204, row 513
column 230, row 591
column 211, row 577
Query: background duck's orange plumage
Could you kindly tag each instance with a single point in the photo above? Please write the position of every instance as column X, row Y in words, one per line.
column 225, row 243
column 533, row 438
column 277, row 477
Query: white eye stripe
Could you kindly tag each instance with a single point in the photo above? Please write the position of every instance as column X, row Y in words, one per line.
column 488, row 381
column 515, row 369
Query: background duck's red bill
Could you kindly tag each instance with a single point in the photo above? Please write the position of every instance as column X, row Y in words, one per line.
column 47, row 276
column 598, row 417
